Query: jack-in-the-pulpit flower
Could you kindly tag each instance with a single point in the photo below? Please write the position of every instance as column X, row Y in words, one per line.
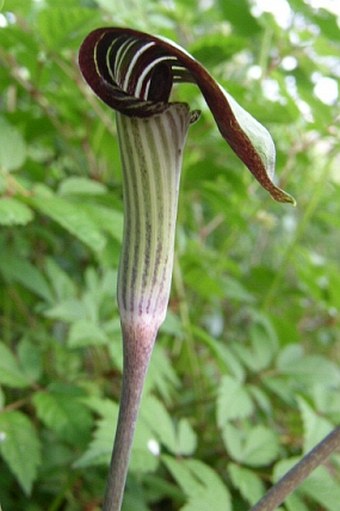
column 134, row 73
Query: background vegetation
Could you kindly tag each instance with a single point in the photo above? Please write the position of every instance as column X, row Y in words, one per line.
column 245, row 375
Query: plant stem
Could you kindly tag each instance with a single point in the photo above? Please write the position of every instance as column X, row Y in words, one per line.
column 296, row 475
column 138, row 344
column 151, row 152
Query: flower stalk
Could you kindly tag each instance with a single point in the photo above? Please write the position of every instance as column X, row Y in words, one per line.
column 151, row 153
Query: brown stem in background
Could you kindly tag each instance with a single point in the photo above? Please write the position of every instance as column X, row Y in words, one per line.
column 296, row 475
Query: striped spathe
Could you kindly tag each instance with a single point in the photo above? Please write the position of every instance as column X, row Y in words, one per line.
column 151, row 152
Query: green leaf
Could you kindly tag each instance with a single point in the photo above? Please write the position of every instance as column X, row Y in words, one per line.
column 30, row 356
column 315, row 427
column 62, row 284
column 228, row 361
column 323, row 489
column 186, row 438
column 61, row 410
column 20, row 447
column 319, row 486
column 17, row 269
column 307, row 369
column 179, row 439
column 237, row 13
column 13, row 212
column 247, row 482
column 164, row 428
column 12, row 147
column 60, row 27
column 109, row 219
column 100, row 448
column 10, row 372
column 86, row 333
column 200, row 484
column 81, row 186
column 73, row 218
column 256, row 447
column 233, row 401
column 162, row 375
column 264, row 345
column 68, row 311
column 294, row 503
column 145, row 449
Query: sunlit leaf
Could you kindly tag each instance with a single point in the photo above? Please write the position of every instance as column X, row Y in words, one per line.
column 256, row 447
column 233, row 402
column 14, row 212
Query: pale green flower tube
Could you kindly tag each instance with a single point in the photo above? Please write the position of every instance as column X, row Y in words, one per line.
column 151, row 153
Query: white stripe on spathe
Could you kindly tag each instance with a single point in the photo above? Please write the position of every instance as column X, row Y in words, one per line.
column 133, row 63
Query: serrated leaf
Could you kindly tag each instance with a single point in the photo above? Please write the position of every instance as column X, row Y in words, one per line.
column 256, row 447
column 307, row 369
column 247, row 482
column 200, row 484
column 59, row 27
column 63, row 412
column 164, row 428
column 233, row 401
column 143, row 457
column 162, row 375
column 315, row 427
column 12, row 147
column 13, row 212
column 322, row 488
column 10, row 372
column 20, row 447
column 73, row 218
column 319, row 486
column 179, row 439
column 100, row 447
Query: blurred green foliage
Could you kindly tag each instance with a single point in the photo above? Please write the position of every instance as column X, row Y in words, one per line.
column 245, row 375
